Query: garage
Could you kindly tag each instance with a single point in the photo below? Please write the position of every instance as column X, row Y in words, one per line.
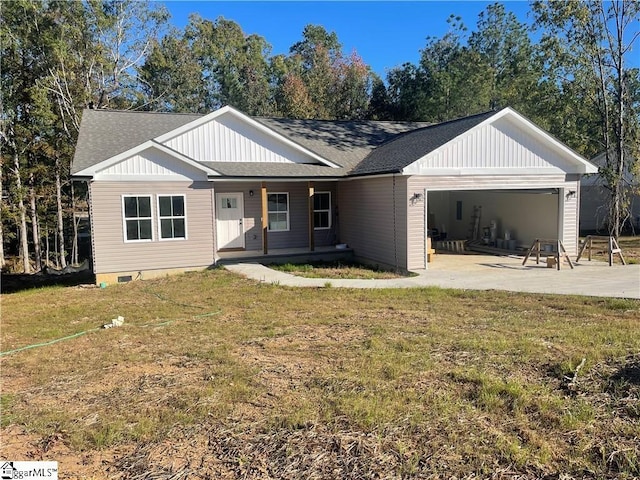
column 505, row 219
column 503, row 179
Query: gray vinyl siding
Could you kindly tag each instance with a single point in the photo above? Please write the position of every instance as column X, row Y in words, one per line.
column 298, row 234
column 112, row 254
column 373, row 219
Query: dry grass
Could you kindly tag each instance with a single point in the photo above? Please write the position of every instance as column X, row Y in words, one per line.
column 214, row 376
column 333, row 270
column 629, row 245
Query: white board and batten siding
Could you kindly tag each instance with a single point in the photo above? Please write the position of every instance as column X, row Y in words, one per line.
column 152, row 165
column 227, row 139
column 501, row 147
column 371, row 222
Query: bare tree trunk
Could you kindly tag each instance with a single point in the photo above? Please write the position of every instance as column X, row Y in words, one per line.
column 46, row 245
column 63, row 260
column 55, row 250
column 35, row 233
column 74, row 249
column 2, row 261
column 22, row 211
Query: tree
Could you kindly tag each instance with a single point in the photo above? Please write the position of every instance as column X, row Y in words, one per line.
column 457, row 78
column 317, row 54
column 234, row 66
column 173, row 78
column 58, row 57
column 408, row 93
column 379, row 103
column 124, row 32
column 588, row 44
column 514, row 68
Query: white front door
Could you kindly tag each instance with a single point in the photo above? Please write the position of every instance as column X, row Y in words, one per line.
column 229, row 220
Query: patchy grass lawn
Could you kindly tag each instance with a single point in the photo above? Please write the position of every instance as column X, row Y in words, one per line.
column 216, row 376
column 338, row 269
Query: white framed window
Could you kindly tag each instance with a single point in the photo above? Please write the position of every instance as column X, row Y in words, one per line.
column 136, row 215
column 172, row 216
column 322, row 210
column 278, row 212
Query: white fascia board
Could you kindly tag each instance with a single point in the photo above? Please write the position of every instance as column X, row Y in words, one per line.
column 276, row 179
column 250, row 121
column 94, row 169
column 448, row 172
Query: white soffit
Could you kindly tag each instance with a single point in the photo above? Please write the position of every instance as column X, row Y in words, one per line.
column 228, row 135
column 504, row 144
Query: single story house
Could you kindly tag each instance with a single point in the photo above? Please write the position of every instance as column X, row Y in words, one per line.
column 175, row 192
column 595, row 198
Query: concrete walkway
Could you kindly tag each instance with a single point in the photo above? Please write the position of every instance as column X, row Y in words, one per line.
column 483, row 272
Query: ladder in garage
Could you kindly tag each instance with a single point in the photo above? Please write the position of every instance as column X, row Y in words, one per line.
column 475, row 222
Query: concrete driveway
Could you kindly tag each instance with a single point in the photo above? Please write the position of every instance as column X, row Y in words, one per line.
column 484, row 272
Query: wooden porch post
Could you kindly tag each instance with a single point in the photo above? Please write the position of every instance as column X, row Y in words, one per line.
column 312, row 245
column 265, row 218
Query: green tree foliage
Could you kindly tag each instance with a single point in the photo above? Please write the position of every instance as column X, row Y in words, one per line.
column 124, row 32
column 457, row 79
column 172, row 77
column 408, row 93
column 234, row 66
column 317, row 80
column 57, row 57
column 588, row 45
column 506, row 49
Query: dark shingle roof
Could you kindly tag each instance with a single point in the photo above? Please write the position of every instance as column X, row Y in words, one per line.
column 106, row 133
column 345, row 143
column 405, row 149
column 358, row 147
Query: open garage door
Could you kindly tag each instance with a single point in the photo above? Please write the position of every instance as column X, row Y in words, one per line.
column 495, row 217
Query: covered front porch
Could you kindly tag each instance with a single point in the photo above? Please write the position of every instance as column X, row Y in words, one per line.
column 271, row 219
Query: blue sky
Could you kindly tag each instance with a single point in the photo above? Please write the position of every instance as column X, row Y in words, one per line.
column 385, row 34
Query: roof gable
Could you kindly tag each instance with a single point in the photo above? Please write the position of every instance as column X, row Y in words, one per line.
column 148, row 159
column 153, row 163
column 227, row 135
column 502, row 143
column 405, row 149
column 107, row 133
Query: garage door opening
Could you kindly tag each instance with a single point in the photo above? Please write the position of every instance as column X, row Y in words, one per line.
column 509, row 220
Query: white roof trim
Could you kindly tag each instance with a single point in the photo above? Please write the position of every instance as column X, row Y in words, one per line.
column 248, row 120
column 584, row 166
column 97, row 168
